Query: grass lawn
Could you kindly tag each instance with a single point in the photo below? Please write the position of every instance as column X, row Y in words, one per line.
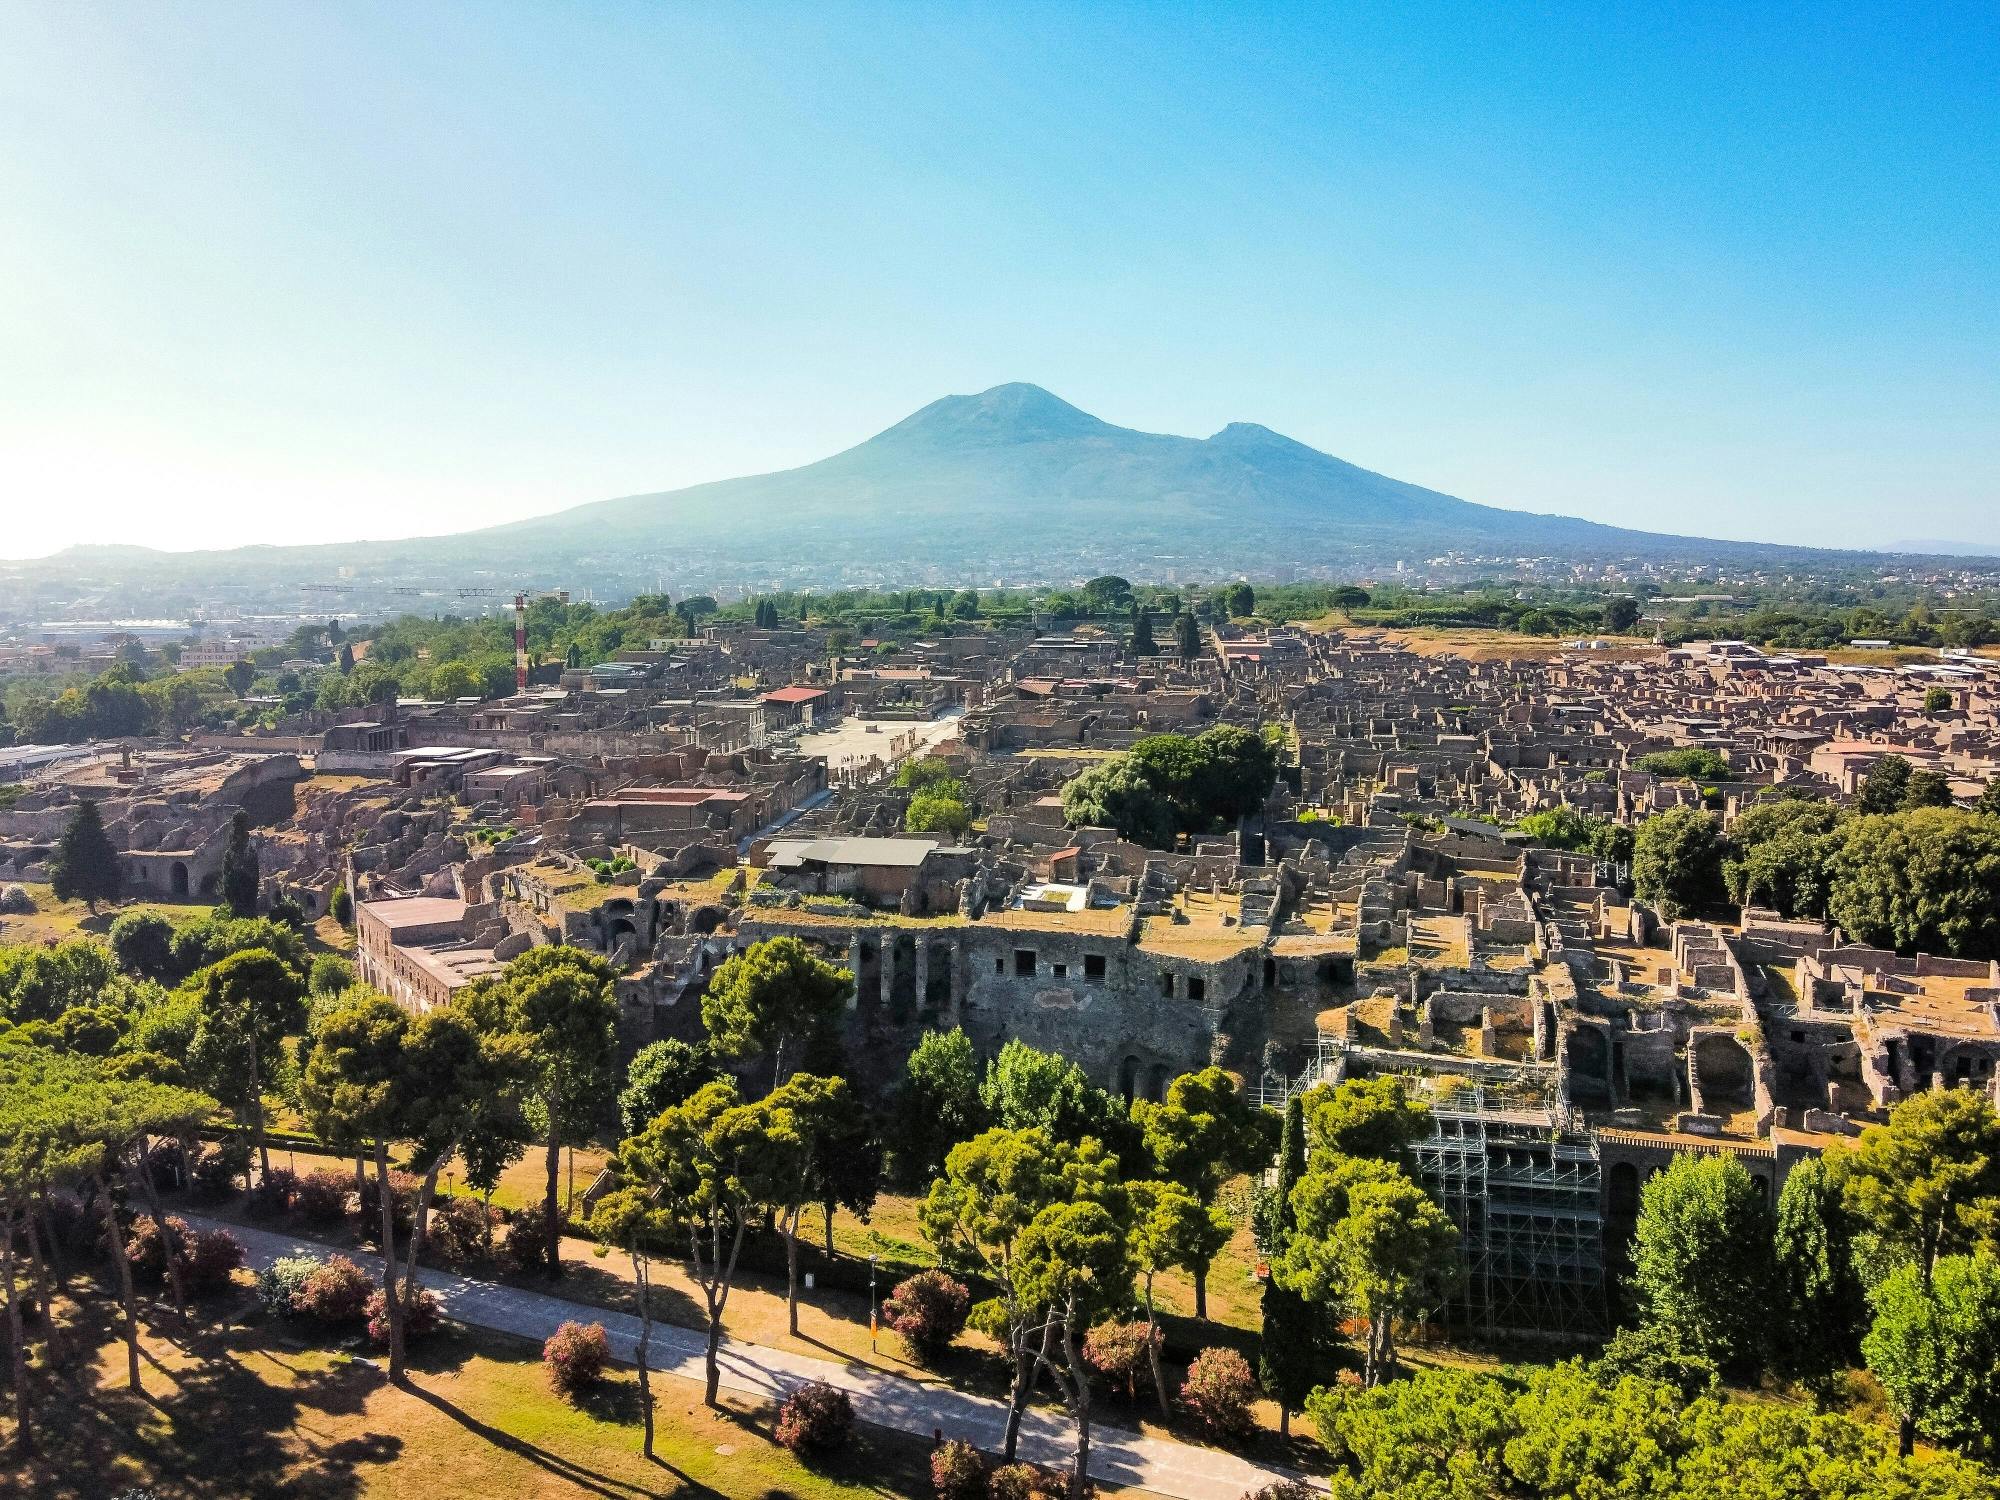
column 55, row 921
column 249, row 1411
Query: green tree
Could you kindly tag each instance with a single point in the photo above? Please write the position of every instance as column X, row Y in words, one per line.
column 1989, row 799
column 1116, row 794
column 1239, row 599
column 1701, row 1259
column 1677, row 861
column 1073, row 1267
column 1927, row 880
column 1937, row 701
column 1620, row 615
column 250, row 1001
column 239, row 868
column 1368, row 1239
column 1288, row 1344
column 1781, row 856
column 1200, row 1135
column 1026, row 1087
column 1107, row 593
column 1187, row 636
column 1690, row 762
column 936, row 810
column 1882, row 789
column 627, row 1218
column 936, row 1106
column 1927, row 1183
column 705, row 1167
column 661, row 1075
column 1935, row 1346
column 1142, row 636
column 1172, row 1230
column 356, row 1093
column 1818, row 1289
column 143, row 942
column 1366, row 1117
column 239, row 674
column 560, row 1004
column 774, row 994
column 806, row 1120
column 1927, row 788
column 994, row 1186
column 85, row 865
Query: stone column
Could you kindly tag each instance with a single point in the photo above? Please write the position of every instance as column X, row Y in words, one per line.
column 888, row 951
column 854, row 964
column 923, row 973
column 954, row 1005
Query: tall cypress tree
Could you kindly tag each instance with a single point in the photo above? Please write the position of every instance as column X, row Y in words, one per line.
column 239, row 868
column 85, row 866
column 1142, row 634
column 1288, row 1351
column 1817, row 1280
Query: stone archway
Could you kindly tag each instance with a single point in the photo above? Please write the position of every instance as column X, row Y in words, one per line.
column 177, row 879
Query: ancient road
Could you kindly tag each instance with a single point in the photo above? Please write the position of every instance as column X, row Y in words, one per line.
column 1179, row 1470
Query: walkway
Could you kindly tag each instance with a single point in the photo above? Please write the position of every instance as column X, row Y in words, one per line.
column 1179, row 1470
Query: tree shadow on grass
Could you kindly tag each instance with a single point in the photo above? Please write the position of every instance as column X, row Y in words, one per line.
column 585, row 1478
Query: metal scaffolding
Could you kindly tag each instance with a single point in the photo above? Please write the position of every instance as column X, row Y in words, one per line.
column 1524, row 1193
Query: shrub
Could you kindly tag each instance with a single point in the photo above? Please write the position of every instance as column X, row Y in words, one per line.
column 526, row 1243
column 927, row 1311
column 402, row 1205
column 420, row 1318
column 217, row 1165
column 816, row 1419
column 320, row 1197
column 1119, row 1352
column 279, row 1284
column 1218, row 1391
column 1024, row 1482
column 575, row 1356
column 336, row 1292
column 272, row 1194
column 1283, row 1489
column 460, row 1230
column 210, row 1260
column 958, row 1471
column 145, row 1247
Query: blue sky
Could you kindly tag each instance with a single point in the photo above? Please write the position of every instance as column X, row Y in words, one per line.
column 283, row 273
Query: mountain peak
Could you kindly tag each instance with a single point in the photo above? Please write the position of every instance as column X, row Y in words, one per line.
column 1012, row 413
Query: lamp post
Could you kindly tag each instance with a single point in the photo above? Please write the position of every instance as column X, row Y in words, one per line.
column 872, row 1304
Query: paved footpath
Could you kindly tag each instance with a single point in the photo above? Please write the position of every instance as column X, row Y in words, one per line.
column 1179, row 1470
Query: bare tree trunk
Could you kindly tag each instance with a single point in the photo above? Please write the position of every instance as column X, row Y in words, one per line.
column 829, row 1231
column 1153, row 1353
column 552, row 1247
column 640, row 1276
column 169, row 1237
column 392, row 1305
column 257, row 1113
column 17, row 1342
column 1017, row 1396
column 115, row 1237
column 1079, row 1478
column 419, row 1226
column 43, row 1289
column 792, row 1271
column 1201, row 1293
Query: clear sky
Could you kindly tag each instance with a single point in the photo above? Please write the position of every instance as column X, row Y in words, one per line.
column 279, row 272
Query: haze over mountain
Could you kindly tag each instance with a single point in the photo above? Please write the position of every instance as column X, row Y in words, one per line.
column 1011, row 483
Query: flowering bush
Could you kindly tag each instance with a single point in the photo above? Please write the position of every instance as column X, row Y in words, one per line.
column 816, row 1419
column 278, row 1285
column 526, row 1245
column 927, row 1311
column 320, row 1197
column 273, row 1193
column 460, row 1230
column 1218, row 1391
column 205, row 1257
column 1024, row 1482
column 209, row 1261
column 575, row 1356
column 958, row 1471
column 420, row 1318
column 402, row 1205
column 1118, row 1352
column 336, row 1291
column 217, row 1166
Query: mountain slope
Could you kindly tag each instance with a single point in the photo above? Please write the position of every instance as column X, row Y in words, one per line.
column 1012, row 483
column 1014, row 473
